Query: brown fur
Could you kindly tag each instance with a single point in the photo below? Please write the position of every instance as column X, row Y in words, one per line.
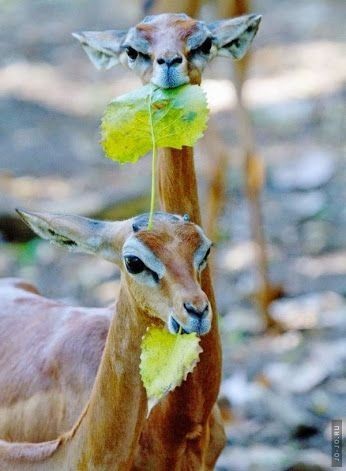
column 42, row 399
column 108, row 430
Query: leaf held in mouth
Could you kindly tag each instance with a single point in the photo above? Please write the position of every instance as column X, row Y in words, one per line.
column 176, row 117
column 166, row 360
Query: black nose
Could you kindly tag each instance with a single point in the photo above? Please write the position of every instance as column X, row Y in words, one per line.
column 197, row 312
column 170, row 61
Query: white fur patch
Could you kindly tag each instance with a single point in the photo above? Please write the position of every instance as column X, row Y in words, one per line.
column 202, row 249
column 134, row 246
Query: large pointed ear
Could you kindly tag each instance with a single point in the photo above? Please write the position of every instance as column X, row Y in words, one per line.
column 79, row 234
column 102, row 47
column 233, row 37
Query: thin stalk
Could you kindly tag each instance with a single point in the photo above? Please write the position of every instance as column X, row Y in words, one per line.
column 153, row 166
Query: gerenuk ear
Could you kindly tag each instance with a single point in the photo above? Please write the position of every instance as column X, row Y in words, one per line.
column 102, row 47
column 234, row 36
column 79, row 234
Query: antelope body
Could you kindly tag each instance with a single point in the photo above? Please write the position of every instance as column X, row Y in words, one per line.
column 159, row 285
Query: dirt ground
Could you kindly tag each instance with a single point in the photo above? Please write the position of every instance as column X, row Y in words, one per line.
column 283, row 390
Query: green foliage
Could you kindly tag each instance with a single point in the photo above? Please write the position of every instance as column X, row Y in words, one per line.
column 166, row 360
column 152, row 117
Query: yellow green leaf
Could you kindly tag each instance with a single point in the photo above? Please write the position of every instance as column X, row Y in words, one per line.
column 170, row 117
column 166, row 360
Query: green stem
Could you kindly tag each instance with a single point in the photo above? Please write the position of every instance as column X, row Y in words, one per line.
column 153, row 166
column 153, row 186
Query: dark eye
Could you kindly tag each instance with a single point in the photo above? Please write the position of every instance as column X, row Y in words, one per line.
column 132, row 53
column 134, row 264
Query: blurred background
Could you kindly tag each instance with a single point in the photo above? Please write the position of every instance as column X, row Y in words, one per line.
column 279, row 392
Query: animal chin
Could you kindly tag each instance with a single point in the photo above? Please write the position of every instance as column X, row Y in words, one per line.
column 170, row 79
column 200, row 328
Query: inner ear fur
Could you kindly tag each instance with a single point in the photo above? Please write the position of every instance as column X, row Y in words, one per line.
column 77, row 233
column 234, row 36
column 102, row 47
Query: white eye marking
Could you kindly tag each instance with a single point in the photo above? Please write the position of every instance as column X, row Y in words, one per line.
column 133, row 247
column 204, row 261
column 202, row 253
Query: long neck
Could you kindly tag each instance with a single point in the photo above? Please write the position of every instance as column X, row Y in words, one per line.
column 179, row 194
column 109, row 431
column 178, row 183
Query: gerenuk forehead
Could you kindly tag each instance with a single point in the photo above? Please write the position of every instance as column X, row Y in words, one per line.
column 167, row 236
column 141, row 221
column 192, row 31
